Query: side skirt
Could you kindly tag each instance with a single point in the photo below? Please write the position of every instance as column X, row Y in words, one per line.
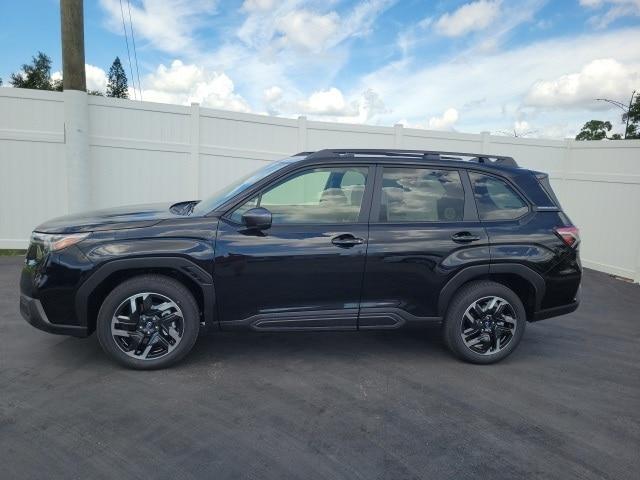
column 392, row 318
column 297, row 321
column 368, row 319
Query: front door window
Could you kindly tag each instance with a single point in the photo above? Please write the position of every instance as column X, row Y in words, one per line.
column 317, row 196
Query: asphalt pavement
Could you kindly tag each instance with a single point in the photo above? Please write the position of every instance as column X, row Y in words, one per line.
column 355, row 405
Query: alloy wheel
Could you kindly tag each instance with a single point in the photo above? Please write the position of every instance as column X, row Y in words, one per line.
column 147, row 326
column 488, row 325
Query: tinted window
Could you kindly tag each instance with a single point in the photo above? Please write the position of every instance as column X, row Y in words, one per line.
column 421, row 195
column 496, row 200
column 228, row 192
column 321, row 195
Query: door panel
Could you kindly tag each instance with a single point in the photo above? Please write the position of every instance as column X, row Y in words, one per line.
column 305, row 272
column 289, row 269
column 407, row 266
column 409, row 261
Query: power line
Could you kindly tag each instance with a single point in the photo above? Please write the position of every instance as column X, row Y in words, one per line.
column 126, row 39
column 135, row 53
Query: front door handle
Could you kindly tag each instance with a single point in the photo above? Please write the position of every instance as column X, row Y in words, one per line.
column 464, row 237
column 346, row 240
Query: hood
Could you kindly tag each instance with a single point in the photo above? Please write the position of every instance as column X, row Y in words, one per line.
column 132, row 216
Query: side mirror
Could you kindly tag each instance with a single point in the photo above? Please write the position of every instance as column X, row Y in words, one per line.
column 257, row 218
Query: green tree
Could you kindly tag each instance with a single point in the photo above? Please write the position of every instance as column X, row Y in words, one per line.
column 117, row 81
column 36, row 75
column 630, row 117
column 595, row 130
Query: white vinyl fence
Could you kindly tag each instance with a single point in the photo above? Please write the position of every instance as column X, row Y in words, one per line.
column 143, row 152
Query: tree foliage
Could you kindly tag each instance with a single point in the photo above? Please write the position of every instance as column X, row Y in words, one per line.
column 598, row 130
column 36, row 75
column 594, row 130
column 117, row 81
column 633, row 115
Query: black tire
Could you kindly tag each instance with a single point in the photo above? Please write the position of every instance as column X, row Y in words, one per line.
column 165, row 286
column 453, row 323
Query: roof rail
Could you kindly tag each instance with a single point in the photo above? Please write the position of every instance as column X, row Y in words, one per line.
column 303, row 154
column 483, row 158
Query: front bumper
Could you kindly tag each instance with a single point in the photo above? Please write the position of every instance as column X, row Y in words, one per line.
column 32, row 311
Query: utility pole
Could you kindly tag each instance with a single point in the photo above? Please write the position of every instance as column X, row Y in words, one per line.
column 72, row 22
column 76, row 106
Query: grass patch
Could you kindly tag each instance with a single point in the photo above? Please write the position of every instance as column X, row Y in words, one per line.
column 9, row 252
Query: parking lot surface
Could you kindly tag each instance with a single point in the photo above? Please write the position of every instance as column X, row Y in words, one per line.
column 359, row 405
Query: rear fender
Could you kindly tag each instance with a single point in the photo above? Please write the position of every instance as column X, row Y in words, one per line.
column 477, row 272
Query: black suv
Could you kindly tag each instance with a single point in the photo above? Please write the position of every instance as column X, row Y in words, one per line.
column 327, row 240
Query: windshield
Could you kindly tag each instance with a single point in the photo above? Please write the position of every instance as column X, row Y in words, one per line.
column 217, row 199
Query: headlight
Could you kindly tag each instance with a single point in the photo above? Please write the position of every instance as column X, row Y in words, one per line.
column 52, row 242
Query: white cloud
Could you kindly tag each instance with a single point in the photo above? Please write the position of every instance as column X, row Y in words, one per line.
column 503, row 78
column 615, row 9
column 327, row 102
column 183, row 84
column 602, row 78
column 272, row 94
column 328, row 105
column 469, row 18
column 287, row 25
column 492, row 20
column 168, row 25
column 307, row 30
column 332, row 105
column 96, row 77
column 177, row 78
column 444, row 122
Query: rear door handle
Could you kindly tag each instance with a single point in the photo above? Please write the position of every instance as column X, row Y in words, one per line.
column 464, row 237
column 346, row 240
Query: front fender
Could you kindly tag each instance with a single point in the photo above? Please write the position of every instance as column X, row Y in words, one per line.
column 200, row 277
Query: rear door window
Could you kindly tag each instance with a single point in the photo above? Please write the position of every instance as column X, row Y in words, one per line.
column 421, row 195
column 496, row 200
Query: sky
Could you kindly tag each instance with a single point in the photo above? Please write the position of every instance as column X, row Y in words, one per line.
column 530, row 66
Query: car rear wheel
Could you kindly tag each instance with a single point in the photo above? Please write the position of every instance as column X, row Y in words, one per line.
column 484, row 323
column 148, row 322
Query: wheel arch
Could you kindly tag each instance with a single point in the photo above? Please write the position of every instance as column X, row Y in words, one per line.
column 525, row 282
column 93, row 291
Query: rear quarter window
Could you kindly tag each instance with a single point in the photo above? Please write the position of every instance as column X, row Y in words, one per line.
column 496, row 199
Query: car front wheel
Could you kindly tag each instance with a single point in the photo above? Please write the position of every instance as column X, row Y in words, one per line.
column 148, row 322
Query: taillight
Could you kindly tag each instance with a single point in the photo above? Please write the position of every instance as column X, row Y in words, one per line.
column 569, row 235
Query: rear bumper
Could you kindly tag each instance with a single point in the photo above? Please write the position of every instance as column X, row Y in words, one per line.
column 32, row 311
column 557, row 311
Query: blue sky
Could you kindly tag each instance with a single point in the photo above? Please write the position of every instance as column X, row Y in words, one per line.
column 485, row 65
